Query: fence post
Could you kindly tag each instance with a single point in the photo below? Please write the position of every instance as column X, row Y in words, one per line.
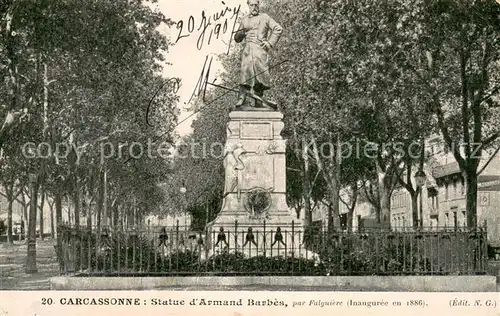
column 264, row 238
column 208, row 242
column 293, row 241
column 235, row 236
column 485, row 246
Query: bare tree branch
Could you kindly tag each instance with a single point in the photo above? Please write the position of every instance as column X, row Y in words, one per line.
column 488, row 140
column 489, row 160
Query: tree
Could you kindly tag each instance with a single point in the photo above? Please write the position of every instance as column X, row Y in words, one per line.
column 198, row 164
column 76, row 73
column 461, row 76
column 12, row 190
column 3, row 228
column 355, row 173
column 341, row 85
column 14, row 169
column 442, row 55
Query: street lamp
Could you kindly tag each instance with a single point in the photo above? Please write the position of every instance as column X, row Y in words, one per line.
column 183, row 190
column 420, row 178
column 31, row 249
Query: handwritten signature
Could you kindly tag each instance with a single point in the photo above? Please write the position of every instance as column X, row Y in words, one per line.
column 201, row 85
column 203, row 81
column 215, row 24
column 169, row 84
column 174, row 84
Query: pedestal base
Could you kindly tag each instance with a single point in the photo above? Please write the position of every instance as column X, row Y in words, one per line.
column 255, row 219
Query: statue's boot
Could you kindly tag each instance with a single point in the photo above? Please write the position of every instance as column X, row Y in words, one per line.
column 260, row 94
column 241, row 97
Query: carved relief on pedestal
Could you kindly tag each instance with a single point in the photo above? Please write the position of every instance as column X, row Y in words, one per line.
column 255, row 181
column 257, row 202
column 233, row 164
column 255, row 167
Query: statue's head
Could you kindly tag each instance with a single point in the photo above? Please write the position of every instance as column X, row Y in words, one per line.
column 254, row 6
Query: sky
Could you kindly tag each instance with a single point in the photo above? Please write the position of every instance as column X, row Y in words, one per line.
column 190, row 51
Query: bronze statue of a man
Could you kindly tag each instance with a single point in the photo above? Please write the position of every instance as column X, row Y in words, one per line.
column 261, row 33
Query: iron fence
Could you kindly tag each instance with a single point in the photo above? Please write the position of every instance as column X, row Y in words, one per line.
column 270, row 250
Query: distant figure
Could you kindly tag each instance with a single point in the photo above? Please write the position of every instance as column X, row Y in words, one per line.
column 261, row 33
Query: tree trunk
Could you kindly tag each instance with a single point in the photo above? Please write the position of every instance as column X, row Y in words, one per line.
column 89, row 218
column 133, row 215
column 206, row 215
column 306, row 192
column 42, row 202
column 11, row 196
column 69, row 209
column 52, row 235
column 350, row 215
column 100, row 201
column 385, row 199
column 98, row 217
column 9, row 220
column 331, row 174
column 330, row 223
column 105, row 199
column 44, row 133
column 24, row 223
column 373, row 196
column 58, row 203
column 470, row 178
column 115, row 214
column 31, row 249
column 333, row 207
column 385, row 207
column 306, row 189
column 352, row 204
column 76, row 201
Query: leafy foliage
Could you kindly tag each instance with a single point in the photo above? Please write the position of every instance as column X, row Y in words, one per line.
column 81, row 76
column 3, row 227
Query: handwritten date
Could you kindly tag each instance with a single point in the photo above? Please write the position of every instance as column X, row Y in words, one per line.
column 212, row 24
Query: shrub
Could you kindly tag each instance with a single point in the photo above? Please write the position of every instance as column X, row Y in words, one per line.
column 3, row 227
column 116, row 252
column 237, row 263
column 348, row 254
column 369, row 255
column 179, row 261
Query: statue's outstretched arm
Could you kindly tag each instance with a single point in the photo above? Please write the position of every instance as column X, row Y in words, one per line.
column 240, row 34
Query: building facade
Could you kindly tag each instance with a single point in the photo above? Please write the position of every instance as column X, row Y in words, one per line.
column 442, row 203
column 443, row 195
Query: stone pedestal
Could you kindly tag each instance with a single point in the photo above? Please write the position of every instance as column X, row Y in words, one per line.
column 255, row 186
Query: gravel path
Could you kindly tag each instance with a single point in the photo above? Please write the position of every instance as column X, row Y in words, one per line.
column 13, row 261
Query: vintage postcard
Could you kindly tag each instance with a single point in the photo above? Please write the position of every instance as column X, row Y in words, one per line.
column 242, row 157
